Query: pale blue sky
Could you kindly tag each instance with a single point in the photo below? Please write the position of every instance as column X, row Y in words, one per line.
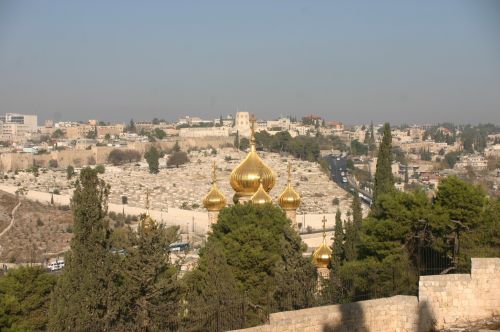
column 353, row 61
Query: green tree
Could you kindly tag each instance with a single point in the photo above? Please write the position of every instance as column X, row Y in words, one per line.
column 85, row 295
column 100, row 169
column 352, row 229
column 25, row 299
column 464, row 204
column 384, row 180
column 70, row 171
column 159, row 133
column 150, row 294
column 265, row 257
column 237, row 140
column 176, row 147
column 58, row 133
column 212, row 288
column 451, row 158
column 131, row 128
column 152, row 157
column 177, row 158
column 338, row 242
column 244, row 144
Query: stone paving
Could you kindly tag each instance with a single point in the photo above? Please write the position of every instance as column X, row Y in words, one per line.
column 185, row 187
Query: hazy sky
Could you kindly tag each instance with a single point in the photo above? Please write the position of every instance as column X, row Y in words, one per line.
column 353, row 61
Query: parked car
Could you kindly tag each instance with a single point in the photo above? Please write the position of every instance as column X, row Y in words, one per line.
column 55, row 265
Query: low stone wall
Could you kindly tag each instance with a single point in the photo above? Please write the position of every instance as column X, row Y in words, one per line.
column 444, row 300
column 457, row 298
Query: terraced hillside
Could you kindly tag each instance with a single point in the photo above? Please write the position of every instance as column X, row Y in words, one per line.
column 38, row 231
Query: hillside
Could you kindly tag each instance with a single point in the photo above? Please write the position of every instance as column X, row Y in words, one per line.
column 39, row 231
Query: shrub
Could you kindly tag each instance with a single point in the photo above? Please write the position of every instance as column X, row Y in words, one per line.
column 177, row 158
column 120, row 156
column 100, row 169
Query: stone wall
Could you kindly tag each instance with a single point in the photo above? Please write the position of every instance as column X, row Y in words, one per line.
column 456, row 298
column 444, row 300
column 98, row 154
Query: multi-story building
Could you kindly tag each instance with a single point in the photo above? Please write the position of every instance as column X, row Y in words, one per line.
column 242, row 124
column 78, row 131
column 15, row 125
column 113, row 130
column 475, row 161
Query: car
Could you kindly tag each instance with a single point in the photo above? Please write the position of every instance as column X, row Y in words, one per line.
column 338, row 158
column 55, row 265
column 344, row 179
column 342, row 173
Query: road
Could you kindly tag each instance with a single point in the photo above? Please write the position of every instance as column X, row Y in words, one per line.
column 338, row 166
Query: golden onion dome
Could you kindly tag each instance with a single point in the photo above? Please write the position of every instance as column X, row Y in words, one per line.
column 261, row 197
column 146, row 221
column 245, row 178
column 215, row 199
column 289, row 198
column 323, row 254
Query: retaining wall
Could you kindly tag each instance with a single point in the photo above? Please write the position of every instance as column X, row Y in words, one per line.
column 444, row 300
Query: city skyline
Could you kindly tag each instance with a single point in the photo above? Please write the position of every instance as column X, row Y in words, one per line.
column 419, row 62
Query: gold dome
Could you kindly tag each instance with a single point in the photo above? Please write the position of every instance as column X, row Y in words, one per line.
column 214, row 200
column 146, row 221
column 323, row 254
column 245, row 179
column 289, row 198
column 261, row 197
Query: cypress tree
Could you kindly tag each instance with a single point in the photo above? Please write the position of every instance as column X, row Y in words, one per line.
column 152, row 157
column 338, row 242
column 384, row 180
column 83, row 296
column 372, row 146
column 237, row 140
column 352, row 229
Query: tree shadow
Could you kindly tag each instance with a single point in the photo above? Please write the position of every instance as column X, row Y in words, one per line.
column 426, row 320
column 352, row 319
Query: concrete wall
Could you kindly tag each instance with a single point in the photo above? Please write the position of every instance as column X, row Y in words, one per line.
column 444, row 300
column 456, row 298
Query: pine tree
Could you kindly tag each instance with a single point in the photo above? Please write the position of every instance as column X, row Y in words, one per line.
column 152, row 157
column 384, row 180
column 212, row 288
column 84, row 294
column 150, row 293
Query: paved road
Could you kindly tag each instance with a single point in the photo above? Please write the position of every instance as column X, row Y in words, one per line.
column 338, row 166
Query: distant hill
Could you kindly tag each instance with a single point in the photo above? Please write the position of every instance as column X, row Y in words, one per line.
column 39, row 231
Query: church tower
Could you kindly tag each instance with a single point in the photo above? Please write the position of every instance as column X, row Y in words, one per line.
column 250, row 174
column 322, row 256
column 146, row 221
column 289, row 200
column 215, row 200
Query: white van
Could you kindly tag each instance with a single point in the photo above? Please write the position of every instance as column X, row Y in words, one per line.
column 55, row 265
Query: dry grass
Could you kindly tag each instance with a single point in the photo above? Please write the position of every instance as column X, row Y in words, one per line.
column 7, row 203
column 39, row 231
